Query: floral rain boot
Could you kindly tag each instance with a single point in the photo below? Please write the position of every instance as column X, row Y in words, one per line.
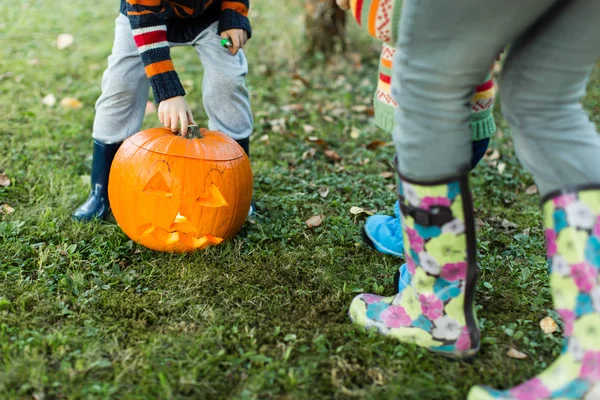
column 572, row 221
column 434, row 307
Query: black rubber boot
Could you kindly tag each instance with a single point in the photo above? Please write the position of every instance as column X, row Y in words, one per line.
column 97, row 206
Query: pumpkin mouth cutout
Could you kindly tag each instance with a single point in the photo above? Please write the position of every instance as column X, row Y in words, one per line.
column 178, row 234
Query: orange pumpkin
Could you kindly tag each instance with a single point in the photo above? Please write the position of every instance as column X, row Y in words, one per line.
column 173, row 193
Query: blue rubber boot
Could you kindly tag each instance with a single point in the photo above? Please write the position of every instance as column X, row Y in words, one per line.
column 384, row 233
column 96, row 206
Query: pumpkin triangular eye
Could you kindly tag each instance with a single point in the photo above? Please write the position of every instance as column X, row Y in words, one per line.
column 212, row 197
column 158, row 184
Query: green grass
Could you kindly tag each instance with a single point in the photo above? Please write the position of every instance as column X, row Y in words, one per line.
column 87, row 314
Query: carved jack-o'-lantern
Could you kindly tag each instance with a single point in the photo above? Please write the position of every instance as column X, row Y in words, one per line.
column 173, row 193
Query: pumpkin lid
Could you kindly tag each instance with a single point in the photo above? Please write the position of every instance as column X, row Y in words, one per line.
column 211, row 146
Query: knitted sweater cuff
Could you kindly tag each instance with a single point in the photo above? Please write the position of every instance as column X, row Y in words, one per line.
column 483, row 125
column 166, row 85
column 230, row 19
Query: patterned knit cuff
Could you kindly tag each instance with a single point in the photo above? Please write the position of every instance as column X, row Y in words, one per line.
column 166, row 85
column 230, row 19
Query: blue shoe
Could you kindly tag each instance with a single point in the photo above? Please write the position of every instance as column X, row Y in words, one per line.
column 384, row 233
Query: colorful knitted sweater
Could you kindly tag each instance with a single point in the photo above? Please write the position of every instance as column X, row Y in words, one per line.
column 155, row 23
column 380, row 19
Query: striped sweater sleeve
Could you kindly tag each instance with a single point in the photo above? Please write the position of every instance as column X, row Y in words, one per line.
column 234, row 15
column 150, row 34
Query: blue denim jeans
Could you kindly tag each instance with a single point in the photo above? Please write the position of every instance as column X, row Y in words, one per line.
column 446, row 47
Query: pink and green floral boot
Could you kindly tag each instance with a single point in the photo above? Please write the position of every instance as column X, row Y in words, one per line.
column 572, row 222
column 434, row 307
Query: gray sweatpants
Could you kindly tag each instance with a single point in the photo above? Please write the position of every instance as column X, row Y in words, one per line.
column 125, row 87
column 446, row 47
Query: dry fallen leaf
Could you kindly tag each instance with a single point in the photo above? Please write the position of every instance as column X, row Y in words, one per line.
column 375, row 144
column 6, row 209
column 491, row 154
column 309, row 128
column 514, row 353
column 296, row 76
column 4, row 179
column 354, row 133
column 293, row 107
column 364, row 161
column 310, row 153
column 356, row 210
column 390, row 186
column 64, row 40
column 506, row 224
column 328, row 119
column 360, row 108
column 323, row 191
column 501, row 167
column 531, row 190
column 332, row 155
column 386, row 174
column 71, row 103
column 49, row 100
column 317, row 140
column 548, row 325
column 317, row 220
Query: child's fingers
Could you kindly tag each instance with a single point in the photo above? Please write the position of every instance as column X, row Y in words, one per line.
column 166, row 120
column 236, row 44
column 184, row 123
column 191, row 118
column 174, row 122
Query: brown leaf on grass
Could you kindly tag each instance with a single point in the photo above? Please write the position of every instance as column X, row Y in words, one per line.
column 317, row 140
column 323, row 191
column 531, row 190
column 364, row 161
column 150, row 108
column 328, row 119
column 293, row 107
column 4, row 179
column 309, row 128
column 278, row 125
column 386, row 174
column 64, row 40
column 6, row 209
column 310, row 153
column 548, row 325
column 315, row 221
column 297, row 77
column 491, row 154
column 375, row 144
column 71, row 103
column 370, row 111
column 332, row 155
column 514, row 353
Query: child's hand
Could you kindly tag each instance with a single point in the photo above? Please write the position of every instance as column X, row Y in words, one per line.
column 238, row 38
column 174, row 110
column 343, row 4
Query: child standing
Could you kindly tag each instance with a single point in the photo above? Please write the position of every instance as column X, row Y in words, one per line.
column 553, row 49
column 144, row 32
column 380, row 19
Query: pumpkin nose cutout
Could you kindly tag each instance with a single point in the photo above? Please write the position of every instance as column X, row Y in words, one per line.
column 212, row 197
column 158, row 184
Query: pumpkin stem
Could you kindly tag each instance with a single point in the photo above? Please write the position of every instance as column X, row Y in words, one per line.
column 193, row 132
